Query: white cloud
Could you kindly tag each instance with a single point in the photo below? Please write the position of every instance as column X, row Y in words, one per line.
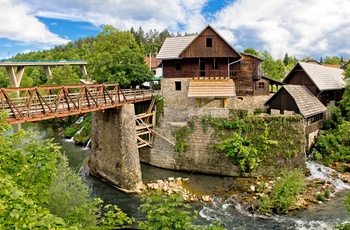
column 297, row 27
column 18, row 24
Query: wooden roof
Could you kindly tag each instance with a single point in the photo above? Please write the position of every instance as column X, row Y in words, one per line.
column 325, row 78
column 211, row 88
column 174, row 47
column 306, row 102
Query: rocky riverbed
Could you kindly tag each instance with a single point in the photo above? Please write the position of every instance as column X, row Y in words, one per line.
column 322, row 183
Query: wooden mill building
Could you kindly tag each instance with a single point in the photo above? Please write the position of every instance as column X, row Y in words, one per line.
column 326, row 83
column 206, row 67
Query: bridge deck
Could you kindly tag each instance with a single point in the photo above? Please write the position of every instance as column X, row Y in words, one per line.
column 39, row 103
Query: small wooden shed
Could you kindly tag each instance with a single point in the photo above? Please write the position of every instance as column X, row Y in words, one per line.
column 299, row 100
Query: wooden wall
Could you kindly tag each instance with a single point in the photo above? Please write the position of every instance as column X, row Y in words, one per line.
column 198, row 47
column 284, row 101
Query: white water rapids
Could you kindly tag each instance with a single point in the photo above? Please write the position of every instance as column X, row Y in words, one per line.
column 322, row 216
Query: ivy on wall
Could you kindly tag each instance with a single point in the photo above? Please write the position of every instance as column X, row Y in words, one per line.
column 251, row 141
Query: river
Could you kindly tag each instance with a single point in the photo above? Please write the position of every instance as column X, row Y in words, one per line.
column 232, row 216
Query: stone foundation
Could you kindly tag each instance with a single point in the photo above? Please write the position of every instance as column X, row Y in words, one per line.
column 114, row 151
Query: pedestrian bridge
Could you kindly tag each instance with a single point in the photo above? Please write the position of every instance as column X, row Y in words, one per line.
column 28, row 104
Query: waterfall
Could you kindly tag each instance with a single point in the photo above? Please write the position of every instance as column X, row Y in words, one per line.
column 79, row 120
column 322, row 172
column 87, row 146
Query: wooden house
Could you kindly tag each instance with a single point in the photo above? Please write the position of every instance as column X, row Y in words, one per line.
column 209, row 57
column 326, row 83
column 298, row 99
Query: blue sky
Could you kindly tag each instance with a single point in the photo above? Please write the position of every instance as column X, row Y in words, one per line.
column 297, row 27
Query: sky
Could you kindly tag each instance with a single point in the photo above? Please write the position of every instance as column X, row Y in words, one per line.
column 300, row 28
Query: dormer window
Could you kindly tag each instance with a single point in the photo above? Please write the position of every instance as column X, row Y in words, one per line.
column 209, row 42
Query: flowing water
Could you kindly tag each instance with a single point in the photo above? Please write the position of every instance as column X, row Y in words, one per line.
column 230, row 214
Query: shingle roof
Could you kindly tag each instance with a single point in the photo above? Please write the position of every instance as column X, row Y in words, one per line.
column 173, row 46
column 325, row 78
column 307, row 103
column 211, row 88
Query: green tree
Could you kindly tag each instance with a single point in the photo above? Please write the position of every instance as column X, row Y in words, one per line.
column 286, row 59
column 63, row 75
column 117, row 58
column 332, row 60
column 251, row 51
column 345, row 101
column 271, row 68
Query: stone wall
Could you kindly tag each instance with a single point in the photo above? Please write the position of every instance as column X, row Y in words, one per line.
column 114, row 151
column 200, row 157
column 178, row 107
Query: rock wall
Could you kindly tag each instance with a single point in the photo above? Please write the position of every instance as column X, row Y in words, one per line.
column 201, row 155
column 114, row 151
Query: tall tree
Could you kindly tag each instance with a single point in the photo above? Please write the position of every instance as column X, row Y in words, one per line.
column 286, row 59
column 117, row 58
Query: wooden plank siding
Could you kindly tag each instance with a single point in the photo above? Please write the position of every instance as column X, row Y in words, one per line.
column 284, row 102
column 299, row 77
column 199, row 49
column 191, row 68
column 313, row 127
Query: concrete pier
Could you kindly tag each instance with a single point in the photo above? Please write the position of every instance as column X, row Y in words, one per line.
column 114, row 151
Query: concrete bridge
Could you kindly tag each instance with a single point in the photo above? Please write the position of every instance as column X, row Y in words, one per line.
column 15, row 68
column 116, row 131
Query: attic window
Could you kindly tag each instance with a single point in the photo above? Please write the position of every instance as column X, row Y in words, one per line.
column 209, row 42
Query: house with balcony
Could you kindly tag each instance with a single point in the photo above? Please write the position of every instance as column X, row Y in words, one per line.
column 206, row 71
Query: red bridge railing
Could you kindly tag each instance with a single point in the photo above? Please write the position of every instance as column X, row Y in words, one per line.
column 46, row 102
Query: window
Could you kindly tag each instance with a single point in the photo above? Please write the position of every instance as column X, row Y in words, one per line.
column 215, row 65
column 178, row 65
column 209, row 42
column 260, row 86
column 178, row 85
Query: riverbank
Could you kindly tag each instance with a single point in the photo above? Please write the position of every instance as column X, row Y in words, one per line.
column 321, row 185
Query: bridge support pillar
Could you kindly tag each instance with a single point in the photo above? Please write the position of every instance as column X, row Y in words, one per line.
column 114, row 151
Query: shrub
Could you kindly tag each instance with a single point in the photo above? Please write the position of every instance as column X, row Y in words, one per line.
column 165, row 211
column 282, row 196
column 285, row 189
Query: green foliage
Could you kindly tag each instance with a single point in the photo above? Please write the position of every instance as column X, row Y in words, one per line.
column 334, row 145
column 68, row 197
column 283, row 192
column 117, row 58
column 253, row 141
column 63, row 75
column 70, row 131
column 327, row 193
column 165, row 211
column 26, row 168
column 251, row 51
column 240, row 150
column 115, row 218
column 285, row 189
column 180, row 136
column 35, row 193
column 159, row 101
column 332, row 60
column 274, row 69
column 320, row 197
